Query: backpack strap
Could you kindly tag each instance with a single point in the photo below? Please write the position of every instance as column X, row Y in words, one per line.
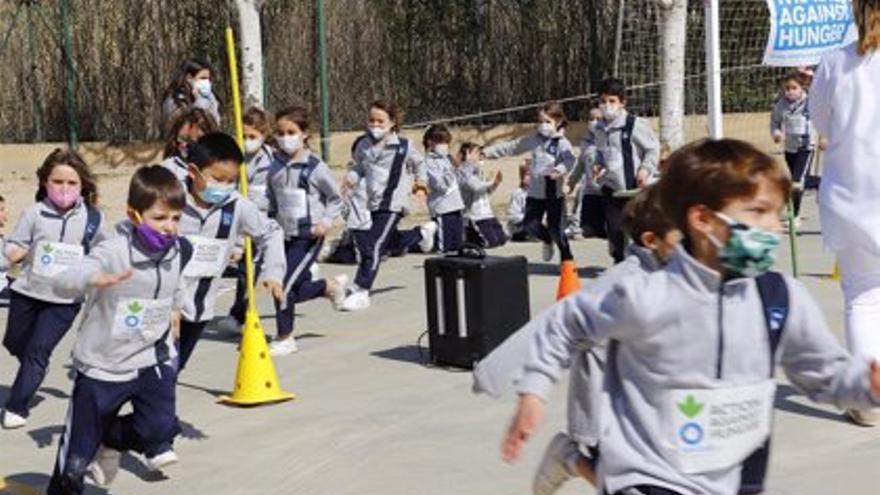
column 305, row 223
column 356, row 143
column 775, row 303
column 186, row 251
column 629, row 166
column 400, row 153
column 93, row 223
column 227, row 215
column 276, row 166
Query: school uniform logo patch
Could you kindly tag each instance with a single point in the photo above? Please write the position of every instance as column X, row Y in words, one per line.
column 133, row 318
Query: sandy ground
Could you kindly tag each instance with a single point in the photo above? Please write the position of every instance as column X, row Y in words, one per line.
column 114, row 165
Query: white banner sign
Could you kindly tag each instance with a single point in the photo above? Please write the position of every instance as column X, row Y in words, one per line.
column 802, row 30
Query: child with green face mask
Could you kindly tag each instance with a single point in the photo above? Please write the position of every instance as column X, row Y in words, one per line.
column 692, row 348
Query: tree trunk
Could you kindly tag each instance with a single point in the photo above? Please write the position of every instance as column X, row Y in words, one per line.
column 251, row 52
column 673, row 41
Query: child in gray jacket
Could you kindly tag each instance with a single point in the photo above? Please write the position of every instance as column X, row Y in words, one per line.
column 444, row 194
column 125, row 344
column 476, row 190
column 575, row 453
column 52, row 235
column 551, row 159
column 689, row 389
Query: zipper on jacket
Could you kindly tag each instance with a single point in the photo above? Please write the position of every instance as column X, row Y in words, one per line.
column 158, row 280
column 720, row 361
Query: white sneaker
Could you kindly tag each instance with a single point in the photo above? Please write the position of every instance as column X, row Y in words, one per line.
column 283, row 347
column 316, row 270
column 863, row 417
column 554, row 468
column 428, row 231
column 337, row 296
column 162, row 461
column 356, row 300
column 226, row 324
column 12, row 421
column 547, row 253
column 105, row 467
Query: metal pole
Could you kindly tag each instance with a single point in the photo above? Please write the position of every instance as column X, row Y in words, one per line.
column 322, row 82
column 618, row 38
column 35, row 82
column 70, row 77
column 713, row 69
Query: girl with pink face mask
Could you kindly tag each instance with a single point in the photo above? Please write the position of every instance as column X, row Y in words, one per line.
column 51, row 236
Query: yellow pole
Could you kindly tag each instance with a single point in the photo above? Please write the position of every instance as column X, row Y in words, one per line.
column 243, row 180
column 256, row 381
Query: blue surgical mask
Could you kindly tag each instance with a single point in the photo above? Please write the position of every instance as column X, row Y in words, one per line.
column 215, row 194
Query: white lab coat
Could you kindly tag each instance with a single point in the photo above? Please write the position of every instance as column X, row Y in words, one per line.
column 845, row 108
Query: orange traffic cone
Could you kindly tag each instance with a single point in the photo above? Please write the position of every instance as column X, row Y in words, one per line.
column 569, row 282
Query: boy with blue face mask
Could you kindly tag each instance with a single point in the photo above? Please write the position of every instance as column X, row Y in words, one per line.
column 214, row 218
column 692, row 349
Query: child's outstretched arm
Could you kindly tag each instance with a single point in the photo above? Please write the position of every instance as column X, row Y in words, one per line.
column 18, row 243
column 102, row 268
column 583, row 319
column 332, row 200
column 511, row 148
column 269, row 238
column 816, row 363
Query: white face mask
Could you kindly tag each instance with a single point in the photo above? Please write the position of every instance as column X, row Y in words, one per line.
column 377, row 133
column 251, row 146
column 289, row 143
column 610, row 111
column 546, row 129
column 203, row 86
column 442, row 149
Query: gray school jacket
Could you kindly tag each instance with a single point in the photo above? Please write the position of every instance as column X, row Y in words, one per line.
column 498, row 374
column 444, row 194
column 4, row 263
column 177, row 166
column 209, row 105
column 298, row 202
column 548, row 154
column 54, row 242
column 603, row 146
column 202, row 226
column 125, row 327
column 374, row 163
column 476, row 192
column 683, row 328
column 793, row 120
column 258, row 172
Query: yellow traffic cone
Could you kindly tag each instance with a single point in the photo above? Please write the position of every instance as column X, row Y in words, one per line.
column 255, row 381
column 569, row 282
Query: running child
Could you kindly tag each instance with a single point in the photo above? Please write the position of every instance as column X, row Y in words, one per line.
column 445, row 202
column 695, row 345
column 305, row 201
column 185, row 128
column 124, row 348
column 482, row 226
column 790, row 124
column 386, row 160
column 258, row 155
column 618, row 155
column 214, row 218
column 552, row 159
column 51, row 236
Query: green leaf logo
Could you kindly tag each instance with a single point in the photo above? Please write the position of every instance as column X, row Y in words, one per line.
column 690, row 407
column 47, row 248
column 135, row 307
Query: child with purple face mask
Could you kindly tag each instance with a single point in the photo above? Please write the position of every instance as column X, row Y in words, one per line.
column 51, row 236
column 124, row 348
